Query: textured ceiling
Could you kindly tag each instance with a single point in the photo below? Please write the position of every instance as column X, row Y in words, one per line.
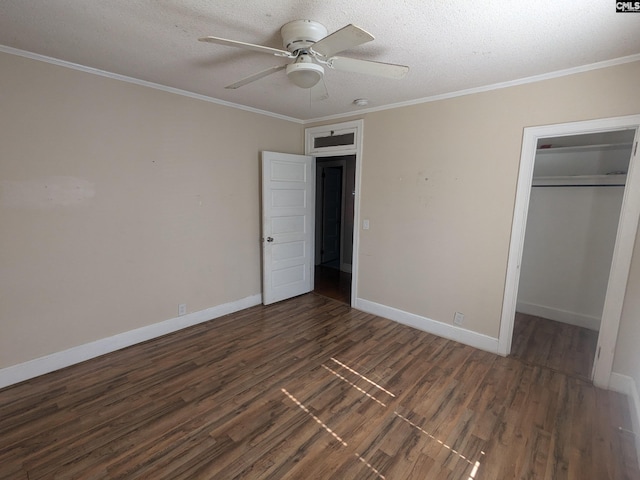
column 450, row 46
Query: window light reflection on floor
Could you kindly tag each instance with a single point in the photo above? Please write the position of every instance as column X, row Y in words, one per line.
column 331, row 432
column 354, row 385
column 363, row 377
column 474, row 465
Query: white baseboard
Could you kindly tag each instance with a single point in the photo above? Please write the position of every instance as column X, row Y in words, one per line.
column 627, row 385
column 452, row 332
column 65, row 358
column 564, row 316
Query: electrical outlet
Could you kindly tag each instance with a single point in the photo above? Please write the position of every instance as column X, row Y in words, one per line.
column 458, row 318
column 182, row 309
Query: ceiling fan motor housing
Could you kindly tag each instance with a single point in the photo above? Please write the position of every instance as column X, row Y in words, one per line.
column 301, row 34
column 304, row 72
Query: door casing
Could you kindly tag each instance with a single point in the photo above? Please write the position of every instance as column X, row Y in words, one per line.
column 357, row 127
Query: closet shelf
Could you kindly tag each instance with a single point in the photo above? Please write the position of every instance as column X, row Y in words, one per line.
column 581, row 181
column 583, row 148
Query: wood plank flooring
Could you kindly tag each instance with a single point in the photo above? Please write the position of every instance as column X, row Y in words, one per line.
column 333, row 283
column 559, row 346
column 311, row 389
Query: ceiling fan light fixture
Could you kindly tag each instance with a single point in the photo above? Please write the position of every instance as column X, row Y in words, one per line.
column 305, row 74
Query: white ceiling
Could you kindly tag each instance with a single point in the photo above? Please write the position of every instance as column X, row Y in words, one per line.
column 450, row 46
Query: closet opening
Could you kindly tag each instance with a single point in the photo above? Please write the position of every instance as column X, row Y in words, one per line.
column 571, row 229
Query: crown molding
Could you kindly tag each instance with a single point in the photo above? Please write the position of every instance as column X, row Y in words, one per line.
column 486, row 88
column 353, row 113
column 144, row 83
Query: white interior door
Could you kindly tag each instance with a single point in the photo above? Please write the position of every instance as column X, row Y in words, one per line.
column 288, row 193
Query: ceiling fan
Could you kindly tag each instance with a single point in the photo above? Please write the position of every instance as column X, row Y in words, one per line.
column 308, row 43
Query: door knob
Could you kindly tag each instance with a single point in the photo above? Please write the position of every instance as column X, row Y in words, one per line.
column 269, row 239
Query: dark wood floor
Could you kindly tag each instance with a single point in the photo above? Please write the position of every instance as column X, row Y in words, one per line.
column 333, row 283
column 559, row 346
column 311, row 389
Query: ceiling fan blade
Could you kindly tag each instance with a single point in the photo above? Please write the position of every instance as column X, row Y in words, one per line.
column 246, row 46
column 347, row 37
column 256, row 76
column 319, row 91
column 368, row 67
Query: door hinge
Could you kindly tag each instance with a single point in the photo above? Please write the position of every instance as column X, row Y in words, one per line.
column 635, row 149
column 598, row 356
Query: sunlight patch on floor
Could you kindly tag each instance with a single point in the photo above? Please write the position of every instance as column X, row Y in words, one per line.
column 320, row 422
column 363, row 377
column 354, row 385
column 475, row 465
column 331, row 432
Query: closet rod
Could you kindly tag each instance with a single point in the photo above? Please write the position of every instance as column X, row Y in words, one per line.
column 586, row 185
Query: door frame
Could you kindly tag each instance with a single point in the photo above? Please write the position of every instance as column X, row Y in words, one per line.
column 623, row 250
column 357, row 127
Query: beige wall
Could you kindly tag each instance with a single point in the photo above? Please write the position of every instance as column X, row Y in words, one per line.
column 438, row 185
column 119, row 202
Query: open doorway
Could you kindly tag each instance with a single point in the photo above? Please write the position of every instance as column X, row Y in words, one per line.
column 335, row 199
column 572, row 221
